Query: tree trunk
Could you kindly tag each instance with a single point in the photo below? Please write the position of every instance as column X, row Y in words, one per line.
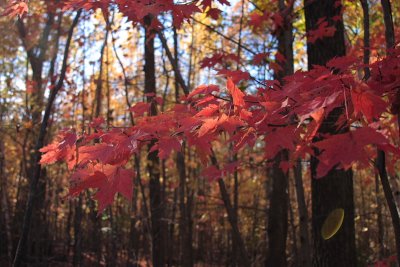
column 4, row 199
column 335, row 190
column 389, row 27
column 381, row 161
column 153, row 165
column 21, row 249
column 243, row 259
column 278, row 209
column 305, row 244
column 278, row 214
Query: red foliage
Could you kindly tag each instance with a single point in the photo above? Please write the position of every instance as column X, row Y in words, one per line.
column 16, row 8
column 285, row 116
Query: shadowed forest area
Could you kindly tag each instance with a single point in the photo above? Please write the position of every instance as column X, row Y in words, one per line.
column 200, row 133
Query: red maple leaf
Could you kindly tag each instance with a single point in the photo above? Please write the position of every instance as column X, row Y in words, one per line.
column 365, row 102
column 62, row 149
column 16, row 8
column 236, row 93
column 203, row 90
column 235, row 75
column 165, row 146
column 218, row 58
column 323, row 30
column 107, row 179
column 139, row 109
column 343, row 150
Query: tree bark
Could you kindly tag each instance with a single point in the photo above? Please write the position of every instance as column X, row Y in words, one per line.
column 4, row 198
column 153, row 162
column 243, row 259
column 389, row 27
column 335, row 190
column 278, row 214
column 21, row 249
column 278, row 209
column 305, row 244
column 381, row 159
column 367, row 48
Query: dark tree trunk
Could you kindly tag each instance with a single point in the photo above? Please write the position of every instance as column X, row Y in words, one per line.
column 36, row 174
column 185, row 239
column 367, row 51
column 305, row 244
column 381, row 161
column 389, row 26
column 4, row 206
column 36, row 55
column 186, row 248
column 243, row 259
column 77, row 251
column 153, row 166
column 335, row 190
column 278, row 214
column 278, row 209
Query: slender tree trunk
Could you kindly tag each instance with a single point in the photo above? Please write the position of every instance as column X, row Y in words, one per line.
column 21, row 249
column 380, row 225
column 367, row 48
column 171, row 236
column 335, row 190
column 243, row 257
column 99, row 82
column 153, row 165
column 4, row 199
column 394, row 212
column 186, row 248
column 186, row 256
column 77, row 251
column 278, row 214
column 278, row 211
column 389, row 27
column 381, row 161
column 305, row 244
column 293, row 227
column 134, row 235
column 36, row 55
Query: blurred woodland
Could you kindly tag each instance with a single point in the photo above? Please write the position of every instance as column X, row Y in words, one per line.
column 151, row 133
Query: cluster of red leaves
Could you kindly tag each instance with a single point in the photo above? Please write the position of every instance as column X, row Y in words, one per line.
column 389, row 261
column 322, row 30
column 16, row 8
column 284, row 116
column 218, row 58
column 137, row 10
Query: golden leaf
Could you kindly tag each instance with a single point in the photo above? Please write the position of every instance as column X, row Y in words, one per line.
column 332, row 223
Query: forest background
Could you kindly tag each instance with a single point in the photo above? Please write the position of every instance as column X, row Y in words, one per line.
column 199, row 133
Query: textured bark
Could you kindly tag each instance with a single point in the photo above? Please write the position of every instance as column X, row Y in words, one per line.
column 335, row 190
